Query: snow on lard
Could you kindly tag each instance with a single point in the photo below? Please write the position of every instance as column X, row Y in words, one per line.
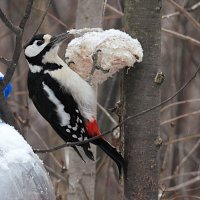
column 115, row 50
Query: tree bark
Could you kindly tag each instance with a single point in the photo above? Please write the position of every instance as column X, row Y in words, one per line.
column 142, row 21
column 89, row 13
column 82, row 175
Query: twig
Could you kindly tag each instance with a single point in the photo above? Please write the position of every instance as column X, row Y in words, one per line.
column 187, row 156
column 5, row 61
column 57, row 175
column 26, row 15
column 181, row 197
column 178, row 103
column 180, row 117
column 18, row 46
column 194, row 22
column 184, row 184
column 181, row 36
column 46, row 146
column 195, row 136
column 112, row 17
column 193, row 173
column 9, row 24
column 96, row 64
column 191, row 9
column 107, row 114
column 7, row 115
column 43, row 17
column 194, row 7
column 121, row 14
column 55, row 18
column 83, row 189
column 121, row 123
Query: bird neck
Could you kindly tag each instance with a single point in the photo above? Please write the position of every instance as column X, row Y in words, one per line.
column 48, row 62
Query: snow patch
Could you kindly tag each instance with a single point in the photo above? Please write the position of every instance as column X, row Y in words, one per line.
column 22, row 173
column 13, row 147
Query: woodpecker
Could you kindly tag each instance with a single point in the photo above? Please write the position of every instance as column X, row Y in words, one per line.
column 62, row 97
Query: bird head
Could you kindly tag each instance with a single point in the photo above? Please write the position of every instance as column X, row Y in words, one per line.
column 43, row 48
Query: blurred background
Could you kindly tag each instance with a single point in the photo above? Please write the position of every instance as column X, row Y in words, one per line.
column 179, row 124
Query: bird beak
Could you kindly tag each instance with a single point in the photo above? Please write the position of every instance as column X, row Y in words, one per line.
column 60, row 38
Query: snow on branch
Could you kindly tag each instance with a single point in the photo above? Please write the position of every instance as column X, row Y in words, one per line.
column 106, row 51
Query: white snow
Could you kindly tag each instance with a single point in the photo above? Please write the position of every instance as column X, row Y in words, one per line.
column 22, row 173
column 13, row 148
column 118, row 50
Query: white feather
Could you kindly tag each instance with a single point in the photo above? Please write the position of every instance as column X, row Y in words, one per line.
column 64, row 117
column 81, row 91
column 52, row 56
column 34, row 49
column 35, row 68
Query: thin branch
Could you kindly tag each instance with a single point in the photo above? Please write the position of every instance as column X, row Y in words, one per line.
column 195, row 136
column 178, row 103
column 5, row 61
column 107, row 114
column 181, row 197
column 121, row 123
column 194, row 22
column 57, row 175
column 9, row 24
column 55, row 18
column 18, row 47
column 191, row 9
column 183, row 185
column 83, row 189
column 187, row 156
column 43, row 17
column 7, row 115
column 26, row 15
column 46, row 146
column 121, row 14
column 181, row 36
column 194, row 7
column 108, row 17
column 180, row 117
column 193, row 173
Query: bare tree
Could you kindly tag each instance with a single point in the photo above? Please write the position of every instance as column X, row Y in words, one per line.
column 142, row 20
column 83, row 175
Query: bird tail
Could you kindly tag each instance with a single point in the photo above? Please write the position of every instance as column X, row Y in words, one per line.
column 112, row 152
column 77, row 151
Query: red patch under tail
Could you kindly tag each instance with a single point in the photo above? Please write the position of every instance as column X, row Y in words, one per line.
column 92, row 128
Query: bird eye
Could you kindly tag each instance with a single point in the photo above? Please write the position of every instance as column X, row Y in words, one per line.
column 40, row 42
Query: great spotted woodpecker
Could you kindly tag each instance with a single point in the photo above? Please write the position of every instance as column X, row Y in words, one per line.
column 62, row 97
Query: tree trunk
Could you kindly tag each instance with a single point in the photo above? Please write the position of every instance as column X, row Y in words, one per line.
column 82, row 175
column 142, row 21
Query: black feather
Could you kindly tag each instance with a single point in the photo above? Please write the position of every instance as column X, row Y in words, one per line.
column 48, row 109
column 113, row 153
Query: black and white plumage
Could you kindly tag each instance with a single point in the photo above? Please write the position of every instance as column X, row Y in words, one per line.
column 62, row 97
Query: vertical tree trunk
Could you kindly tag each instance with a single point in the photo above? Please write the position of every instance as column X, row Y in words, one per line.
column 142, row 21
column 89, row 13
column 82, row 175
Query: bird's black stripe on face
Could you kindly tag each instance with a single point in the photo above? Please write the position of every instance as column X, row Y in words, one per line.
column 37, row 60
column 36, row 37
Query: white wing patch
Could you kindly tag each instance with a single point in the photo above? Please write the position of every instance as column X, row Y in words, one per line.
column 64, row 117
column 35, row 68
